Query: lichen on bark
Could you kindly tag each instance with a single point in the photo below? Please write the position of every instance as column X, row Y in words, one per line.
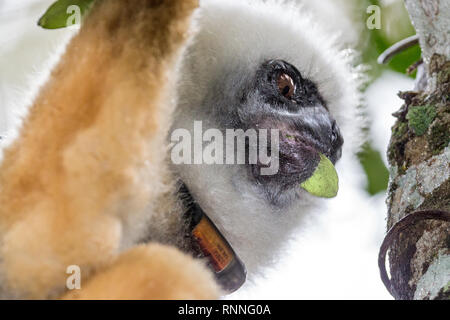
column 434, row 284
column 420, row 117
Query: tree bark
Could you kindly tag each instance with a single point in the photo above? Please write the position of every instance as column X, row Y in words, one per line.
column 419, row 154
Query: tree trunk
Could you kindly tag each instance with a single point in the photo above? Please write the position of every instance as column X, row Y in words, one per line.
column 419, row 192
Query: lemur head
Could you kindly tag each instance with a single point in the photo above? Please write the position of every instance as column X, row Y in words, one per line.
column 263, row 65
column 278, row 97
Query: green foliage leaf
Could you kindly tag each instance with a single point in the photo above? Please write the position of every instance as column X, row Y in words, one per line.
column 63, row 13
column 324, row 182
column 396, row 25
column 375, row 169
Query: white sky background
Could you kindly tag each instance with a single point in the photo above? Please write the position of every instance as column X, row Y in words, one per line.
column 334, row 257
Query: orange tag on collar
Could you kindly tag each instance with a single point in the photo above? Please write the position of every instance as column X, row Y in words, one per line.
column 212, row 244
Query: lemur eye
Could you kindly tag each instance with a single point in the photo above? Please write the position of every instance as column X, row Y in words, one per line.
column 286, row 85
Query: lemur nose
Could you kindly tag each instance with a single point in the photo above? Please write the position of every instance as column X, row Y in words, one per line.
column 324, row 133
column 336, row 136
column 334, row 132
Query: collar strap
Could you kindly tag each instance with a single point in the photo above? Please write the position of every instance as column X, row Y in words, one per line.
column 208, row 242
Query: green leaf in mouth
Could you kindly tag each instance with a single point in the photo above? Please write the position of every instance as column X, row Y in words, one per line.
column 324, row 182
column 64, row 13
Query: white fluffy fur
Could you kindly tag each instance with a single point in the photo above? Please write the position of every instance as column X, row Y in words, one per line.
column 240, row 35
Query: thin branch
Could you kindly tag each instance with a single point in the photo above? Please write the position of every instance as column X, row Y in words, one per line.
column 394, row 233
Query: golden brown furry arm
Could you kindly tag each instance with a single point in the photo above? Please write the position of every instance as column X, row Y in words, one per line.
column 132, row 277
column 80, row 170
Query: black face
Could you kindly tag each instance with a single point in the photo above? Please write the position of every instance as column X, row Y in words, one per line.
column 280, row 98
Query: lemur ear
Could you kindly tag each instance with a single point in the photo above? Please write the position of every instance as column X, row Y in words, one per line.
column 64, row 13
